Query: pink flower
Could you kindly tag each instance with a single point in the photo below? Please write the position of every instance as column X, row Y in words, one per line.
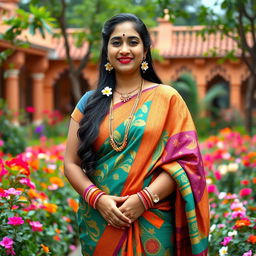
column 70, row 229
column 53, row 187
column 3, row 171
column 217, row 175
column 12, row 191
column 30, row 109
column 27, row 181
column 1, row 143
column 15, row 221
column 249, row 253
column 226, row 240
column 10, row 251
column 221, row 225
column 212, row 188
column 36, row 226
column 238, row 214
column 245, row 192
column 72, row 247
column 6, row 242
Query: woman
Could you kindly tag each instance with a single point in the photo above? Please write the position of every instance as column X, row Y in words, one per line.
column 132, row 155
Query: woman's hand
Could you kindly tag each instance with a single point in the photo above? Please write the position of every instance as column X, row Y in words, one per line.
column 133, row 208
column 107, row 206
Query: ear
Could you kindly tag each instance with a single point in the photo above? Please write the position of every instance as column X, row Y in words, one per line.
column 145, row 54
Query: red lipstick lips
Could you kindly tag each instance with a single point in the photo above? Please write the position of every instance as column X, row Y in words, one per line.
column 125, row 60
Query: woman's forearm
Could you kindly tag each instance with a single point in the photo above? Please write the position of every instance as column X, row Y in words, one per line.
column 163, row 185
column 76, row 177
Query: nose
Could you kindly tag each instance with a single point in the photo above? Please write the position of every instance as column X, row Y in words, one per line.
column 124, row 49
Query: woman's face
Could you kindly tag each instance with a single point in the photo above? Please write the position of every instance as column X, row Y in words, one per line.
column 125, row 49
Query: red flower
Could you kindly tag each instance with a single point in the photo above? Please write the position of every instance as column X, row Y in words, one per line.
column 245, row 182
column 242, row 223
column 251, row 239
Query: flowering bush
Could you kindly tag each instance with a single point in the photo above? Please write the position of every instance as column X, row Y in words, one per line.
column 53, row 125
column 37, row 209
column 230, row 162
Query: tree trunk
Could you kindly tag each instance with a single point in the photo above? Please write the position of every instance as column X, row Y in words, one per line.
column 249, row 98
column 76, row 90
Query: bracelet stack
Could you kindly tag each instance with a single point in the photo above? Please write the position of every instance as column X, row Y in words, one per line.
column 92, row 194
column 146, row 198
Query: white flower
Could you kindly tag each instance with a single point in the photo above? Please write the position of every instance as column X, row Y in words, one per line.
column 223, row 168
column 108, row 66
column 107, row 91
column 233, row 167
column 220, row 144
column 222, row 195
column 208, row 181
column 232, row 233
column 223, row 251
column 144, row 65
column 212, row 228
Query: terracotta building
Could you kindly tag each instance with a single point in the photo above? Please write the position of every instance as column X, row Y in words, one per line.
column 37, row 76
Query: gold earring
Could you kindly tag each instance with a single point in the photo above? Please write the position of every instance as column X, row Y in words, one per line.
column 108, row 66
column 144, row 66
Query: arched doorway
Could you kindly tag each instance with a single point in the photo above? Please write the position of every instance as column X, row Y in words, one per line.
column 63, row 98
column 218, row 91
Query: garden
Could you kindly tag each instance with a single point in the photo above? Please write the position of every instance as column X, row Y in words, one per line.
column 38, row 206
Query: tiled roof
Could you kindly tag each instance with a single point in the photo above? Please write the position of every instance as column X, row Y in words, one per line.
column 59, row 51
column 173, row 42
column 185, row 42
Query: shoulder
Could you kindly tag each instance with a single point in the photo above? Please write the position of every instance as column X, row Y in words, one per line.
column 83, row 100
column 168, row 92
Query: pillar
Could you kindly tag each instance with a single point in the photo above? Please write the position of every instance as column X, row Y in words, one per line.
column 49, row 98
column 37, row 94
column 37, row 67
column 11, row 75
column 235, row 96
column 12, row 92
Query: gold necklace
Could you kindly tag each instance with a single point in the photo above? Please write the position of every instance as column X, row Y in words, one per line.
column 116, row 145
column 125, row 96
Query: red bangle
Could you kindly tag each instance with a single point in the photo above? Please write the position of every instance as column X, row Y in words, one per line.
column 97, row 198
column 148, row 198
column 143, row 200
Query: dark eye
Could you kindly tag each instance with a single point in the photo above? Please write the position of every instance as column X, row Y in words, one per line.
column 134, row 43
column 116, row 43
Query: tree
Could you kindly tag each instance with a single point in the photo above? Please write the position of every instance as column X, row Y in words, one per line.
column 237, row 21
column 33, row 20
column 90, row 16
column 182, row 12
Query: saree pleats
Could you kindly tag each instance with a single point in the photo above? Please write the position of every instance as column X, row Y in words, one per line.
column 162, row 138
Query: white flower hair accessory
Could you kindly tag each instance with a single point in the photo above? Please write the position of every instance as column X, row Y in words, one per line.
column 107, row 91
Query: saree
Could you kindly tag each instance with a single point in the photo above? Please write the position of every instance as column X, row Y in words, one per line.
column 162, row 138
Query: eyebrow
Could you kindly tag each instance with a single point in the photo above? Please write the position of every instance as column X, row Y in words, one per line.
column 120, row 37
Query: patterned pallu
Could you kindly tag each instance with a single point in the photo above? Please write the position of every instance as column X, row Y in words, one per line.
column 162, row 138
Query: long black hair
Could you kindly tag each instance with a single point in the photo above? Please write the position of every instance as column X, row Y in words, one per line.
column 98, row 105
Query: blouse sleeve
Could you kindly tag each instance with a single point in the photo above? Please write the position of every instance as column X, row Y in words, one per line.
column 78, row 112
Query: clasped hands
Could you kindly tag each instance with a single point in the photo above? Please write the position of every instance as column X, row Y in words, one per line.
column 120, row 212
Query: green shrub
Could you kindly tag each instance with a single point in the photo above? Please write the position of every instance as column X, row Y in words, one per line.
column 13, row 137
